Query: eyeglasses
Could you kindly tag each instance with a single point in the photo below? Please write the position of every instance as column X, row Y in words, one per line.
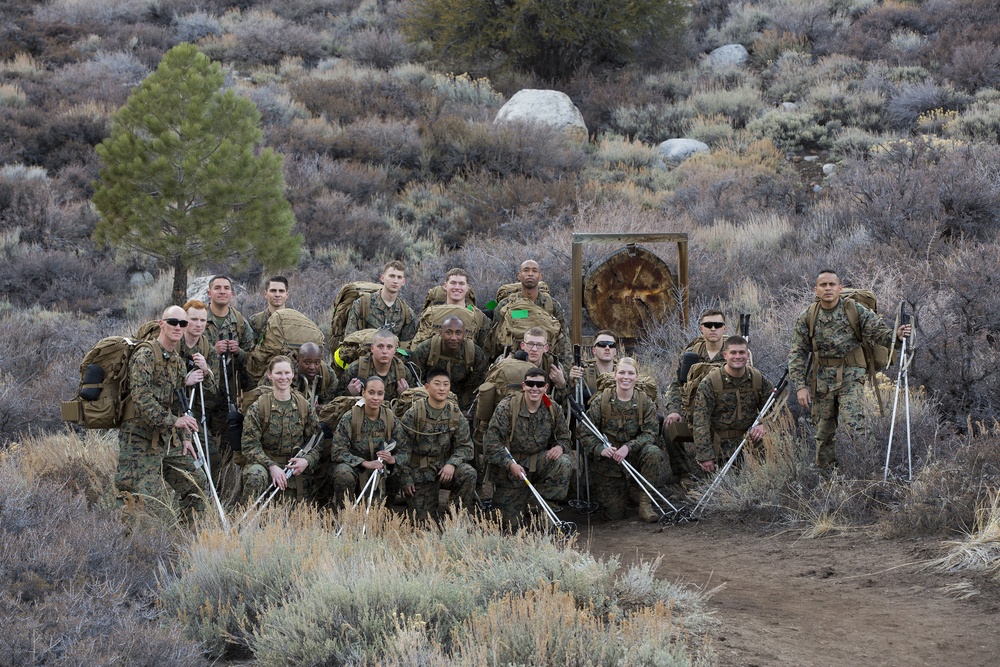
column 536, row 384
column 534, row 346
column 174, row 322
column 605, row 343
column 713, row 325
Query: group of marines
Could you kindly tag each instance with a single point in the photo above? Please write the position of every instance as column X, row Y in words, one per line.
column 430, row 447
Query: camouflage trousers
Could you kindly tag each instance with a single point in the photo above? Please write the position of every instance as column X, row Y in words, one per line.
column 674, row 437
column 167, row 476
column 256, row 479
column 424, row 501
column 511, row 494
column 348, row 481
column 832, row 403
column 612, row 484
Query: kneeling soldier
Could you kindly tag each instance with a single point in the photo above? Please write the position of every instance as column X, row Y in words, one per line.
column 533, row 428
column 439, row 447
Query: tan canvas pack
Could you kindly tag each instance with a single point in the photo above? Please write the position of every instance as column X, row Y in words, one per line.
column 432, row 317
column 330, row 413
column 468, row 355
column 438, row 295
column 352, row 348
column 508, row 289
column 696, row 374
column 644, row 383
column 519, row 315
column 505, row 377
column 346, row 297
column 286, row 331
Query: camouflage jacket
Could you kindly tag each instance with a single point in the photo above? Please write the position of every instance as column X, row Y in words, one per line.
column 366, row 367
column 464, row 380
column 623, row 427
column 432, row 443
column 258, row 322
column 345, row 449
column 834, row 339
column 219, row 327
column 284, row 435
column 533, row 432
column 380, row 314
column 153, row 390
column 323, row 387
column 674, row 400
column 725, row 418
column 560, row 347
column 207, row 350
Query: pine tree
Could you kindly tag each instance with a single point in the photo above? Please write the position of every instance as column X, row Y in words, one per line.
column 182, row 179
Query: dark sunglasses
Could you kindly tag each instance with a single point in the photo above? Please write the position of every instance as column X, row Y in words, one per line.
column 713, row 325
column 605, row 343
column 174, row 322
column 537, row 384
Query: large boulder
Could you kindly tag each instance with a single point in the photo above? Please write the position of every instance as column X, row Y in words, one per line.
column 730, row 55
column 678, row 150
column 548, row 107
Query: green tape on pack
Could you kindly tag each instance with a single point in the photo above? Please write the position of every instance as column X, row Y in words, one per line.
column 491, row 305
column 518, row 314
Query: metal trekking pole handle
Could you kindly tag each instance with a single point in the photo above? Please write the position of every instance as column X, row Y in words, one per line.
column 549, row 512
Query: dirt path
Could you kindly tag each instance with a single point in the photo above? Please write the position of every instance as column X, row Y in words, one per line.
column 840, row 600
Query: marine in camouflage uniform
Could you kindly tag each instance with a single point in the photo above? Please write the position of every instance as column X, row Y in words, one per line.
column 364, row 368
column 150, row 458
column 623, row 426
column 836, row 383
column 464, row 380
column 383, row 316
column 275, row 442
column 432, row 443
column 347, row 453
column 228, row 327
column 722, row 420
column 534, row 434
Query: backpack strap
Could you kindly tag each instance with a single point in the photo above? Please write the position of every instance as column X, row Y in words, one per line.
column 435, row 354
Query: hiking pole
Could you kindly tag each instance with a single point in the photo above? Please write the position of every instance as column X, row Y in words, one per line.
column 565, row 528
column 205, row 466
column 190, row 412
column 385, row 447
column 745, row 331
column 270, row 493
column 372, row 481
column 902, row 377
column 581, row 505
column 771, row 400
column 677, row 514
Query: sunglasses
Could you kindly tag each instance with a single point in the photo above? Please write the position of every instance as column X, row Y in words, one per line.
column 535, row 384
column 713, row 325
column 605, row 343
column 174, row 322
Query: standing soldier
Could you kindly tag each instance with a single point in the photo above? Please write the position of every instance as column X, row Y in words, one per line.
column 604, row 351
column 196, row 347
column 530, row 276
column 276, row 295
column 277, row 425
column 155, row 456
column 835, row 388
column 533, row 428
column 728, row 401
column 628, row 418
column 385, row 308
column 439, row 447
column 226, row 328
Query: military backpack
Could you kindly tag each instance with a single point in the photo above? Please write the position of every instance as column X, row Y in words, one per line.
column 516, row 317
column 286, row 331
column 432, row 317
column 346, row 297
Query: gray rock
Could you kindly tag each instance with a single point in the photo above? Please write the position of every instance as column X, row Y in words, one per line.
column 730, row 55
column 198, row 288
column 789, row 106
column 678, row 150
column 829, row 168
column 548, row 107
column 811, row 158
column 140, row 278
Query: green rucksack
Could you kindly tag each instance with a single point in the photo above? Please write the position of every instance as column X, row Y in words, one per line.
column 517, row 316
column 286, row 331
column 438, row 295
column 504, row 377
column 432, row 317
column 346, row 297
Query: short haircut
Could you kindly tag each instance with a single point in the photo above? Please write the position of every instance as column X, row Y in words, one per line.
column 223, row 277
column 451, row 318
column 535, row 372
column 310, row 348
column 383, row 334
column 456, row 272
column 627, row 361
column 734, row 340
column 277, row 360
column 822, row 271
column 712, row 312
column 435, row 372
column 197, row 304
column 536, row 331
column 394, row 264
column 277, row 279
column 606, row 332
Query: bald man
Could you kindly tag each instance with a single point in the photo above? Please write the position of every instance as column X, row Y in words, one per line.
column 156, row 458
column 530, row 276
column 315, row 379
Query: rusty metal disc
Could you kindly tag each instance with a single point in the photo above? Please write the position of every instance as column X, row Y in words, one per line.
column 629, row 291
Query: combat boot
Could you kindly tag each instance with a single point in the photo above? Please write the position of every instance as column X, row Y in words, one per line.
column 647, row 512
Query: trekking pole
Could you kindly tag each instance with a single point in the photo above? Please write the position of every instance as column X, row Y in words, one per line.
column 676, row 514
column 205, row 466
column 771, row 400
column 372, row 481
column 902, row 377
column 579, row 504
column 565, row 528
column 745, row 331
column 269, row 493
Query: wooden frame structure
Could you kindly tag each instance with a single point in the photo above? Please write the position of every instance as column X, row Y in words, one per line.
column 576, row 321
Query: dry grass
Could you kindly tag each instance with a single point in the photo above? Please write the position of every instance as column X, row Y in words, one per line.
column 980, row 550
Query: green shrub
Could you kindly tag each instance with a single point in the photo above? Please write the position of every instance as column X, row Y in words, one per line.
column 742, row 104
column 792, row 130
column 845, row 105
column 710, row 129
column 651, row 123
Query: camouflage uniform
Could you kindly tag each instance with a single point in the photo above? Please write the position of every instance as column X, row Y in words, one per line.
column 283, row 437
column 431, row 444
column 380, row 314
column 364, row 368
column 211, row 389
column 150, row 462
column 678, row 433
column 611, row 483
column 320, row 391
column 258, row 322
column 561, row 346
column 464, row 380
column 216, row 329
column 533, row 435
column 721, row 421
column 347, row 454
column 838, row 375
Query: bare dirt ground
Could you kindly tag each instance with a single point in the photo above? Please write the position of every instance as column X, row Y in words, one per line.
column 840, row 600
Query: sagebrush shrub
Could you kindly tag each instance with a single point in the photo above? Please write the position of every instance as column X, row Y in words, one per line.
column 910, row 100
column 256, row 37
column 742, row 104
column 192, row 27
column 652, row 123
column 384, row 49
column 792, row 130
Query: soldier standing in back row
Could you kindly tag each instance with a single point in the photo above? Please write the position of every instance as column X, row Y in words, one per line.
column 728, row 400
column 835, row 386
column 385, row 309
